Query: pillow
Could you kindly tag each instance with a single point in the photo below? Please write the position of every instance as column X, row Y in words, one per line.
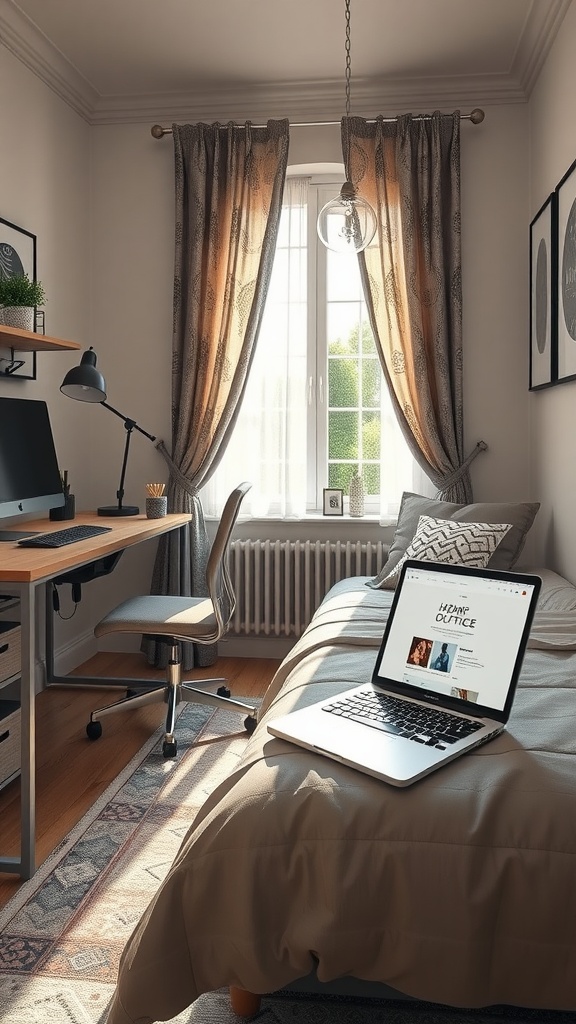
column 557, row 594
column 442, row 540
column 519, row 515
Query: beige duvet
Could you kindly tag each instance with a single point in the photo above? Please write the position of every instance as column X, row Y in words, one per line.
column 460, row 889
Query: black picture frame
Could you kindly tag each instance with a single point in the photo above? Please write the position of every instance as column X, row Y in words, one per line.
column 17, row 256
column 333, row 501
column 543, row 296
column 566, row 275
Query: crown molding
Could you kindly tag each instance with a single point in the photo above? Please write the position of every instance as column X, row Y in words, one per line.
column 312, row 101
column 30, row 46
column 298, row 101
column 540, row 30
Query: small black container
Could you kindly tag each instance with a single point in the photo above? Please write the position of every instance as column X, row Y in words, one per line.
column 65, row 511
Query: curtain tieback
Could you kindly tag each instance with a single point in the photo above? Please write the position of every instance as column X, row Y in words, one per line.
column 175, row 472
column 481, row 446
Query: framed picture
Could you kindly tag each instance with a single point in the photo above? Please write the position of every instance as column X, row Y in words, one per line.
column 17, row 256
column 333, row 502
column 543, row 297
column 566, row 275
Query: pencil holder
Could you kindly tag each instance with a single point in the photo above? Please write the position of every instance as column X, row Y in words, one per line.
column 65, row 511
column 156, row 507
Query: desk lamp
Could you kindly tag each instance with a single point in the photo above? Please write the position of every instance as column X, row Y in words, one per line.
column 86, row 384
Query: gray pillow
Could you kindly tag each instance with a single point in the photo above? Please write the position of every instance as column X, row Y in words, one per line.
column 520, row 515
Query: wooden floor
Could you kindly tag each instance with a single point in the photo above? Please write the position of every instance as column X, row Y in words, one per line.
column 72, row 771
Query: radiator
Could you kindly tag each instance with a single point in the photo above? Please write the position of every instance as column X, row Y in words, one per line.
column 279, row 583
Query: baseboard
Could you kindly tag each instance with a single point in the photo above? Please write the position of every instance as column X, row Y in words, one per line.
column 275, row 647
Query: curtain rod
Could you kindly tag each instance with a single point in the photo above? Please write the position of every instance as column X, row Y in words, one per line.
column 476, row 117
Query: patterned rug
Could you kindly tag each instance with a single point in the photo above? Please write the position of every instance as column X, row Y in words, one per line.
column 62, row 934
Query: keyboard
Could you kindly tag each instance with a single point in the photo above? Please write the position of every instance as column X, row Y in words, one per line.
column 416, row 722
column 70, row 535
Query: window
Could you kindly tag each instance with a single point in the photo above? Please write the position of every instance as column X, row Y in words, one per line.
column 316, row 406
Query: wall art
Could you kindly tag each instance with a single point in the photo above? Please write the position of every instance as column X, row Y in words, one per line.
column 543, row 297
column 566, row 275
column 17, row 256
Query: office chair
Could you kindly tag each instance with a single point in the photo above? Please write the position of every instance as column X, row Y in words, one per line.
column 170, row 620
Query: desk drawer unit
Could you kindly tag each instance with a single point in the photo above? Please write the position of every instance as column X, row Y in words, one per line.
column 9, row 741
column 9, row 650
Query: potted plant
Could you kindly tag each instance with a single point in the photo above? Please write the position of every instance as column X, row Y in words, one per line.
column 18, row 298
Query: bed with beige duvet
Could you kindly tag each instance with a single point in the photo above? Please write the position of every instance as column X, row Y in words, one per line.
column 459, row 890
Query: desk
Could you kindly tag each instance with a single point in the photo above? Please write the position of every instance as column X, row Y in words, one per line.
column 22, row 571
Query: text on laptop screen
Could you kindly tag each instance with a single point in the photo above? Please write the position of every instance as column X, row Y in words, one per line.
column 456, row 636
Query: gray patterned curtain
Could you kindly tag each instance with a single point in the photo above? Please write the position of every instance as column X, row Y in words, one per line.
column 229, row 182
column 409, row 171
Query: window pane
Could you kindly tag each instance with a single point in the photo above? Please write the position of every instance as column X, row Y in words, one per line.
column 343, row 384
column 343, row 275
column 371, row 433
column 371, row 476
column 342, row 435
column 371, row 383
column 343, row 320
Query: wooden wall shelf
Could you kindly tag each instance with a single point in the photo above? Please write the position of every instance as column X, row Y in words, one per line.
column 28, row 341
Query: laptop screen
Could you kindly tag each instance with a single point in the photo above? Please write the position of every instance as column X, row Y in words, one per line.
column 457, row 635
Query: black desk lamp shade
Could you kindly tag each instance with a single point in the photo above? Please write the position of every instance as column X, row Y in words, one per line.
column 86, row 384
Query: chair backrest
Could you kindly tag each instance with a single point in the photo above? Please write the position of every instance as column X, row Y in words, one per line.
column 217, row 576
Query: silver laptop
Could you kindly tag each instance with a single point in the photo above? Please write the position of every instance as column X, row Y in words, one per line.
column 443, row 680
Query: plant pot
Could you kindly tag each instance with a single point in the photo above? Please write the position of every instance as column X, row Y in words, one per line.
column 21, row 317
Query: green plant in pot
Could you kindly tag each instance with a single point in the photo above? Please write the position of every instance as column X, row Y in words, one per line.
column 19, row 295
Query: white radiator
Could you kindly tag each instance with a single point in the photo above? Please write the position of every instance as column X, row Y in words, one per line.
column 279, row 583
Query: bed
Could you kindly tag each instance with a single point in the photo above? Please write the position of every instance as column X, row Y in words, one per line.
column 459, row 890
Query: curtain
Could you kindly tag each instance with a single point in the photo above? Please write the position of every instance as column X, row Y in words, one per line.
column 269, row 444
column 229, row 182
column 409, row 171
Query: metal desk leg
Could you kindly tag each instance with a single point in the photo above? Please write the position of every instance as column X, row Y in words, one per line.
column 28, row 715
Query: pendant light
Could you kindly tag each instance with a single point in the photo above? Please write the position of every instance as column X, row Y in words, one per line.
column 347, row 223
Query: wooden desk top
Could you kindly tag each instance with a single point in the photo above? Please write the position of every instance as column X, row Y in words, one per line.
column 25, row 565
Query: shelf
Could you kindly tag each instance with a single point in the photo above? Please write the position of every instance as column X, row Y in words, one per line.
column 28, row 341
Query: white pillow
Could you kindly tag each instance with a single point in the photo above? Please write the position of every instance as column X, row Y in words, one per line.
column 444, row 540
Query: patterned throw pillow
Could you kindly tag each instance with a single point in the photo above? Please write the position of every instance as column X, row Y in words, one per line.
column 443, row 540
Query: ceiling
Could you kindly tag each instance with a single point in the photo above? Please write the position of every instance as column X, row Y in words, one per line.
column 118, row 60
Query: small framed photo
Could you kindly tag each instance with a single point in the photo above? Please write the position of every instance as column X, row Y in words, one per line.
column 333, row 502
column 543, row 303
column 566, row 275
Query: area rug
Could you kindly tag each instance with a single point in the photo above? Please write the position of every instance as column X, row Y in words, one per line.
column 62, row 934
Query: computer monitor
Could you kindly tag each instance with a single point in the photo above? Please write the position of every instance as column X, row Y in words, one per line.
column 29, row 475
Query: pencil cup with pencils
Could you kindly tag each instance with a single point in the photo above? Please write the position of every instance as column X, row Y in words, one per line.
column 156, row 501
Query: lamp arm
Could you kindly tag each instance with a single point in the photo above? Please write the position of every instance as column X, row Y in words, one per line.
column 120, row 491
column 128, row 423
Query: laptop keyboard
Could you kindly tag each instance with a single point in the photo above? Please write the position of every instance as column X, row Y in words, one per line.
column 431, row 726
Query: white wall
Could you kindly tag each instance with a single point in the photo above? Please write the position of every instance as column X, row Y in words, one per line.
column 553, row 411
column 44, row 188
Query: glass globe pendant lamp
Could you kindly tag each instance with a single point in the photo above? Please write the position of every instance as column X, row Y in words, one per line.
column 347, row 223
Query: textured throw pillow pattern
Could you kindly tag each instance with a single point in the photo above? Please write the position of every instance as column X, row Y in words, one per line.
column 443, row 540
column 520, row 515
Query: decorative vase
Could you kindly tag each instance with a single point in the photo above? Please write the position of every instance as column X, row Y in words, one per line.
column 21, row 317
column 356, row 495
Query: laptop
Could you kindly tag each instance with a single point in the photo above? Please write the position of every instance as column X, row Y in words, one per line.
column 443, row 681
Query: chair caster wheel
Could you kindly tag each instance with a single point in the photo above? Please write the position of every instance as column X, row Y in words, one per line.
column 169, row 748
column 223, row 691
column 94, row 730
column 250, row 724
